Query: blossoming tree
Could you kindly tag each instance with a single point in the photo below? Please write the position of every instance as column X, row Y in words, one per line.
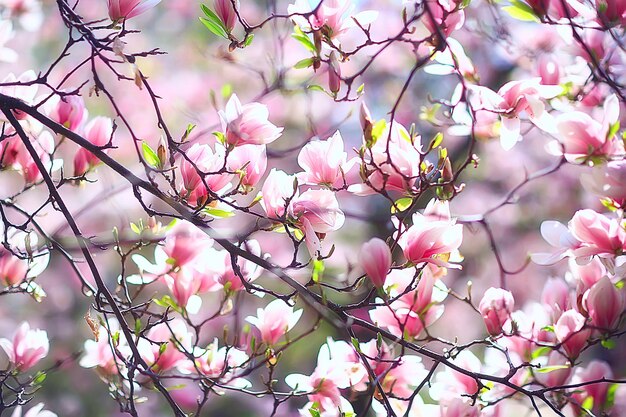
column 335, row 208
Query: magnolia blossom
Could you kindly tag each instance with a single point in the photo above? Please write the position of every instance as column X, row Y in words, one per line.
column 247, row 124
column 555, row 296
column 99, row 132
column 278, row 189
column 432, row 236
column 450, row 384
column 324, row 162
column 458, row 407
column 560, row 238
column 570, row 332
column 442, row 15
column 496, row 307
column 28, row 12
column 605, row 304
column 36, row 411
column 375, row 257
column 249, row 162
column 317, row 211
column 225, row 11
column 325, row 383
column 99, row 354
column 68, row 111
column 333, row 17
column 126, row 9
column 21, row 87
column 200, row 168
column 554, row 377
column 594, row 371
column 218, row 362
column 607, row 180
column 27, row 347
column 599, row 234
column 21, row 263
column 274, row 321
column 416, row 307
column 219, row 264
column 581, row 137
column 165, row 344
column 511, row 100
column 393, row 163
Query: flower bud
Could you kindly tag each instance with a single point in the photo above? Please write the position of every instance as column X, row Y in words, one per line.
column 375, row 257
column 495, row 307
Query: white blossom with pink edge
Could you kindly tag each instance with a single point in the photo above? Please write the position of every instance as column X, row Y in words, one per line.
column 274, row 321
column 247, row 124
column 36, row 411
column 27, row 347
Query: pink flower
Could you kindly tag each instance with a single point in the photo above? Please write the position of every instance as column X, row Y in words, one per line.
column 126, row 9
column 451, row 384
column 604, row 303
column 27, row 347
column 36, row 411
column 278, row 189
column 599, row 234
column 99, row 132
column 555, row 377
column 274, row 321
column 582, row 137
column 596, row 370
column 608, row 180
column 68, row 111
column 570, row 333
column 414, row 309
column 555, row 296
column 225, row 11
column 225, row 276
column 559, row 237
column 317, row 212
column 333, row 17
column 394, row 162
column 98, row 354
column 549, row 70
column 176, row 338
column 324, row 162
column 218, row 363
column 203, row 166
column 496, row 307
column 375, row 257
column 432, row 234
column 511, row 100
column 249, row 161
column 183, row 283
column 399, row 381
column 13, row 270
column 184, row 244
column 443, row 15
column 247, row 124
column 457, row 407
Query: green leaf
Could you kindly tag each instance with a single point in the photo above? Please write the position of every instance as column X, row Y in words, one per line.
column 608, row 344
column 137, row 327
column 588, row 403
column 248, row 39
column 135, row 228
column 525, row 14
column 356, row 343
column 401, row 204
column 304, row 63
column 613, row 130
column 546, row 369
column 544, row 350
column 315, row 87
column 39, row 378
column 377, row 130
column 318, row 270
column 304, row 39
column 218, row 213
column 149, row 155
column 359, row 90
column 436, row 141
column 220, row 137
column 216, row 29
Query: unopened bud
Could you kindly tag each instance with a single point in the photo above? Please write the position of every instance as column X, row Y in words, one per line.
column 334, row 73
